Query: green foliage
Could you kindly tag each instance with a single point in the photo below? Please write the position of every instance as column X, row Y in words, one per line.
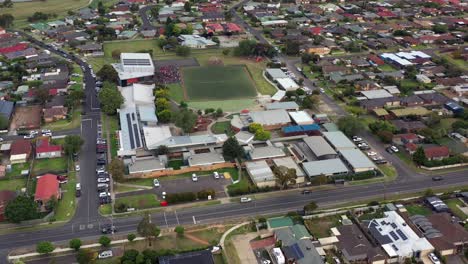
column 104, row 241
column 108, row 73
column 6, row 20
column 148, row 229
column 85, row 256
column 75, row 244
column 21, row 208
column 74, row 98
column 382, row 125
column 262, row 135
column 232, row 149
column 185, row 119
column 117, row 169
column 164, row 116
column 419, row 157
column 183, row 51
column 440, row 28
column 131, row 237
column 44, row 247
column 292, row 47
column 285, row 176
column 3, row 122
column 179, row 230
column 72, row 144
column 350, row 125
column 429, row 192
column 111, row 99
column 254, row 127
column 252, row 48
column 310, row 207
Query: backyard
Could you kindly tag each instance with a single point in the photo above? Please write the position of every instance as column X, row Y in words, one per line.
column 56, row 165
column 17, row 168
column 66, row 124
column 13, row 184
column 416, row 209
column 454, row 205
column 222, row 127
column 66, row 206
column 320, row 227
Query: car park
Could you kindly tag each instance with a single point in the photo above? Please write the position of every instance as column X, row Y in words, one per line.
column 102, row 175
column 216, row 175
column 108, row 229
column 245, row 199
column 105, row 254
column 156, row 183
column 194, row 177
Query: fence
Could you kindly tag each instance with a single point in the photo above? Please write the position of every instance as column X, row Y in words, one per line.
column 444, row 167
column 163, row 173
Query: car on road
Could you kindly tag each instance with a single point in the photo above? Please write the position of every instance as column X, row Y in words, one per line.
column 156, row 183
column 306, row 191
column 394, row 149
column 28, row 137
column 437, row 178
column 434, row 259
column 105, row 254
column 216, row 175
column 194, row 177
column 103, row 180
column 108, row 229
column 371, row 153
column 245, row 199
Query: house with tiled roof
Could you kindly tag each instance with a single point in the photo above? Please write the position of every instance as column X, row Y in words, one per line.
column 20, row 151
column 401, row 139
column 47, row 187
column 437, row 152
column 45, row 149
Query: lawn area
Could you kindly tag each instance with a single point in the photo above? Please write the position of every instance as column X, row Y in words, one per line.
column 21, row 11
column 307, row 72
column 388, row 170
column 222, row 127
column 17, row 168
column 66, row 207
column 142, row 201
column 409, row 84
column 121, row 188
column 453, row 204
column 211, row 235
column 170, row 242
column 136, row 45
column 110, row 124
column 57, row 165
column 226, row 105
column 446, row 124
column 217, row 83
column 176, row 92
column 65, row 124
column 105, row 209
column 98, row 62
column 463, row 65
column 320, row 227
column 386, row 68
column 243, row 184
column 13, row 184
column 175, row 164
column 415, row 209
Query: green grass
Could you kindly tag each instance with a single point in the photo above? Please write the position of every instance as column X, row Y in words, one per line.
column 176, row 92
column 67, row 205
column 15, row 184
column 409, row 84
column 453, row 205
column 122, row 188
column 94, row 3
column 142, row 201
column 463, row 65
column 320, row 227
column 415, row 209
column 226, row 105
column 98, row 62
column 66, row 124
column 222, row 127
column 243, row 184
column 44, row 165
column 110, row 126
column 175, row 164
column 131, row 46
column 105, row 209
column 307, row 72
column 386, row 68
column 217, row 83
column 17, row 168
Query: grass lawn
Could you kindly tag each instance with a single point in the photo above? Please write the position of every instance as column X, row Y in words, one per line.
column 21, row 11
column 131, row 46
column 453, row 205
column 110, row 125
column 463, row 65
column 446, row 124
column 320, row 227
column 222, row 127
column 307, row 72
column 243, row 184
column 371, row 215
column 66, row 207
column 43, row 165
column 217, row 83
column 142, row 201
column 211, row 235
column 415, row 209
column 121, row 188
column 17, row 168
column 226, row 105
column 66, row 124
column 171, row 242
column 175, row 164
column 386, row 68
column 409, row 84
column 105, row 209
column 13, row 184
column 176, row 92
column 98, row 62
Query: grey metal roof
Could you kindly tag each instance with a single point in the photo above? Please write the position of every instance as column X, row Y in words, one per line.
column 6, row 108
column 357, row 159
column 146, row 165
column 270, row 117
column 319, row 146
column 276, row 73
column 282, row 105
column 326, row 167
column 205, row 159
column 289, row 163
column 338, row 140
column 302, row 250
column 266, row 152
column 259, row 171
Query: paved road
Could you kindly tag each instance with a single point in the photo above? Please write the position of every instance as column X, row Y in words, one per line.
column 146, row 22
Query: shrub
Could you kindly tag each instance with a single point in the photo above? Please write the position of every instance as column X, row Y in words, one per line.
column 104, row 241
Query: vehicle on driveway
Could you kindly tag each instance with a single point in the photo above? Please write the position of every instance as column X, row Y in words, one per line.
column 105, row 254
column 245, row 199
column 434, row 259
column 194, row 177
column 156, row 183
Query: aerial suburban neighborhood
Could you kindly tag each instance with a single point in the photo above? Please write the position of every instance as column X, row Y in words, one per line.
column 233, row 131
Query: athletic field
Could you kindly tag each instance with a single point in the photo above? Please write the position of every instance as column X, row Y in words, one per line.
column 217, row 83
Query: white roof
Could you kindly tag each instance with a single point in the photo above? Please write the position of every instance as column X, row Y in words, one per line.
column 287, row 83
column 356, row 159
column 259, row 171
column 374, row 94
column 18, row 157
column 395, row 58
column 244, row 137
column 338, row 140
column 274, row 22
column 276, row 73
column 301, row 118
column 134, row 65
column 270, row 117
column 279, row 95
column 155, row 135
column 266, row 152
column 208, row 158
column 137, row 94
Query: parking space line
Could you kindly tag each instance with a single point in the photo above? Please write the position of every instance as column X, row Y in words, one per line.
column 177, row 217
column 165, row 219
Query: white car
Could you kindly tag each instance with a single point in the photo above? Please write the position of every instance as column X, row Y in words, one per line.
column 46, row 131
column 322, row 90
column 434, row 259
column 1, row 139
column 216, row 175
column 100, row 170
column 103, row 180
column 245, row 199
column 357, row 139
column 33, row 132
column 156, row 183
column 371, row 153
column 194, row 177
column 394, row 149
column 78, row 186
column 105, row 254
column 103, row 185
column 47, row 134
column 77, row 167
column 28, row 136
column 104, row 194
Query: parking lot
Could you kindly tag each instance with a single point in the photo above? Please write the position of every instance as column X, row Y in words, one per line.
column 187, row 185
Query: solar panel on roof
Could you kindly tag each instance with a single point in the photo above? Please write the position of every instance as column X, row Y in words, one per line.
column 395, row 237
column 394, row 225
column 136, row 62
column 297, row 251
column 401, row 234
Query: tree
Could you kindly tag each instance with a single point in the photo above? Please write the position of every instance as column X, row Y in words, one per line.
column 147, row 229
column 385, row 136
column 111, row 99
column 108, row 73
column 162, row 93
column 292, row 47
column 187, row 6
column 185, row 119
column 164, row 116
column 285, row 176
column 350, row 125
column 3, row 122
column 162, row 104
column 440, row 28
column 232, row 149
column 51, row 204
column 104, row 241
column 262, row 135
column 429, row 192
column 44, row 247
column 72, row 144
column 42, row 95
column 116, row 168
column 74, row 98
column 254, row 127
column 183, row 51
column 162, row 150
column 85, row 256
column 7, row 4
column 21, row 208
column 75, row 244
column 310, row 207
column 6, row 20
column 310, row 101
column 129, row 256
column 219, row 112
column 419, row 157
column 320, row 180
column 101, row 9
column 179, row 230
column 131, row 237
column 115, row 54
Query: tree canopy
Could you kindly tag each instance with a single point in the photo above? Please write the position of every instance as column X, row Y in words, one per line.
column 148, row 229
column 419, row 157
column 21, row 208
column 44, row 247
column 185, row 119
column 350, row 125
column 110, row 98
column 285, row 176
column 108, row 73
column 116, row 168
column 72, row 144
column 75, row 244
column 232, row 149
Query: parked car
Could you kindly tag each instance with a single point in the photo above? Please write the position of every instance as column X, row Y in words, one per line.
column 104, row 194
column 434, row 259
column 105, row 200
column 28, row 137
column 108, row 229
column 46, row 131
column 194, row 177
column 156, row 183
column 437, row 178
column 103, row 180
column 371, row 153
column 77, row 167
column 357, row 139
column 245, row 199
column 47, row 134
column 77, row 193
column 78, row 186
column 216, row 175
column 100, row 169
column 105, row 254
column 394, row 149
column 101, row 162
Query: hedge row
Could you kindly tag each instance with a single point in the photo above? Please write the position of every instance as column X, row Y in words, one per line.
column 190, row 196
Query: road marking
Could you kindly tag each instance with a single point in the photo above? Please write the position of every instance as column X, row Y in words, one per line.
column 165, row 219
column 82, row 227
column 177, row 217
column 194, row 221
column 83, row 120
column 90, row 226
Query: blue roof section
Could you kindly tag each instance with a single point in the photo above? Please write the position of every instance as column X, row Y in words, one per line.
column 6, row 109
column 454, row 106
column 147, row 113
column 303, row 128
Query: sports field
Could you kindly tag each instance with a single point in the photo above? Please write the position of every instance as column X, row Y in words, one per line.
column 217, row 83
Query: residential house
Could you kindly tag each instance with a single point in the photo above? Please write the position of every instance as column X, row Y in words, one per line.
column 297, row 246
column 45, row 149
column 260, row 173
column 401, row 139
column 6, row 109
column 47, row 187
column 408, row 126
column 55, row 113
column 20, row 151
column 437, row 152
column 356, row 248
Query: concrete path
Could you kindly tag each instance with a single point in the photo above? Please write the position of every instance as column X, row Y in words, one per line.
column 223, row 237
column 133, row 185
column 242, row 245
